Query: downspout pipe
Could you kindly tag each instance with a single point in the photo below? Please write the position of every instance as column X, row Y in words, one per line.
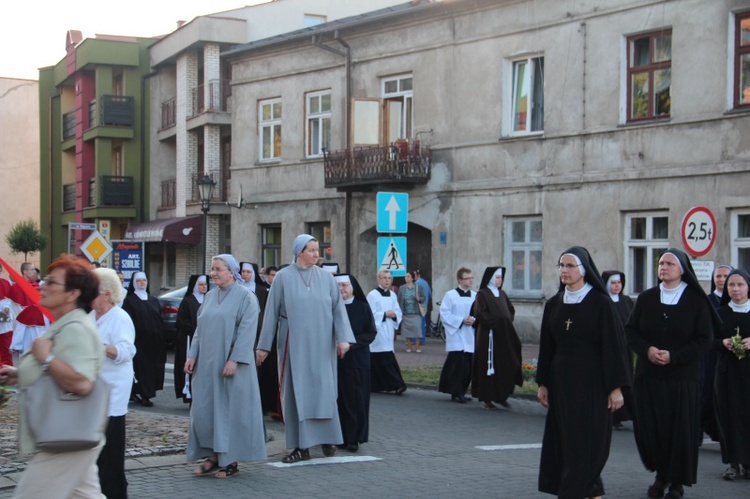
column 346, row 54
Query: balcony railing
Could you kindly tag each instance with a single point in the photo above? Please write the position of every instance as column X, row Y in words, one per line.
column 111, row 190
column 69, row 125
column 113, row 110
column 219, row 92
column 168, row 113
column 222, row 191
column 399, row 163
column 69, row 197
column 168, row 193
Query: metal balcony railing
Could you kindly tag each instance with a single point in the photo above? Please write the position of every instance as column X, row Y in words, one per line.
column 219, row 92
column 402, row 162
column 112, row 110
column 168, row 193
column 168, row 113
column 69, row 125
column 222, row 190
column 69, row 197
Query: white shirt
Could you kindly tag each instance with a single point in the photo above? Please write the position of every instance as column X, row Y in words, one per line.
column 379, row 305
column 453, row 310
column 116, row 328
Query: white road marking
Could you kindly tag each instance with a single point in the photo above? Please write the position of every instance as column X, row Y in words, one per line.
column 509, row 447
column 326, row 460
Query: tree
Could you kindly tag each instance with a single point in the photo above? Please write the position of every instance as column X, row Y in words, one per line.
column 25, row 237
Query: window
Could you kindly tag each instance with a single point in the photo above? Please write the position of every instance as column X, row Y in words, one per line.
column 742, row 61
column 527, row 96
column 271, row 245
column 270, row 129
column 740, row 227
column 650, row 75
column 311, row 20
column 646, row 238
column 322, row 232
column 524, row 245
column 397, row 103
column 318, row 132
column 117, row 165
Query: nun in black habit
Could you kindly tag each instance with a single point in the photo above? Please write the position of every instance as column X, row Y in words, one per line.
column 580, row 374
column 732, row 383
column 671, row 328
column 496, row 368
column 354, row 368
column 187, row 321
column 614, row 281
column 268, row 372
column 151, row 353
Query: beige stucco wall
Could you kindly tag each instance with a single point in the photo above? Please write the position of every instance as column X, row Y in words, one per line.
column 19, row 159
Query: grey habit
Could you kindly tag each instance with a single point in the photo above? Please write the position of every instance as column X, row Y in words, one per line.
column 226, row 417
column 307, row 307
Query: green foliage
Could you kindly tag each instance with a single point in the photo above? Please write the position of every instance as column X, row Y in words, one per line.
column 25, row 237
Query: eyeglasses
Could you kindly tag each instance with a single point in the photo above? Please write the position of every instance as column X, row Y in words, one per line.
column 567, row 266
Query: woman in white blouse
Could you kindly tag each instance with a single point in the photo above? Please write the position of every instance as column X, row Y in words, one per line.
column 118, row 335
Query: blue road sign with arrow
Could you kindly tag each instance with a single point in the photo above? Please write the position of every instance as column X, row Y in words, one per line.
column 393, row 212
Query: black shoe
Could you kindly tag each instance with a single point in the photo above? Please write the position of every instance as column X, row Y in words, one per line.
column 146, row 402
column 675, row 492
column 459, row 398
column 505, row 404
column 329, row 450
column 656, row 491
column 401, row 390
column 352, row 447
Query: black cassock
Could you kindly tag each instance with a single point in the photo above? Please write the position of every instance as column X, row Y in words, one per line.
column 354, row 376
column 623, row 308
column 151, row 354
column 495, row 314
column 268, row 372
column 580, row 363
column 667, row 398
column 187, row 320
column 732, row 391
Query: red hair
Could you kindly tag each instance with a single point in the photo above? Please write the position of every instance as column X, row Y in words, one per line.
column 78, row 275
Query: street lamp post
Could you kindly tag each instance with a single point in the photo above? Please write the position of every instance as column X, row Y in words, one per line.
column 206, row 191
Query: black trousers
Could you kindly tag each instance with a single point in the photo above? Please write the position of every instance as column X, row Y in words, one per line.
column 111, row 460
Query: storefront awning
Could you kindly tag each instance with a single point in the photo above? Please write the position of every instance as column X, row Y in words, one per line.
column 184, row 230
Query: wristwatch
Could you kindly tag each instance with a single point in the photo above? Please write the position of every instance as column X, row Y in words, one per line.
column 46, row 363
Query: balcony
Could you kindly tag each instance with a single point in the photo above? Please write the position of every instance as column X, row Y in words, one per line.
column 403, row 164
column 111, row 191
column 113, row 110
column 219, row 92
column 69, row 126
column 69, row 197
column 222, row 191
column 169, row 113
column 168, row 193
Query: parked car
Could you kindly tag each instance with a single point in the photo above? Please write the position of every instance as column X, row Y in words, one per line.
column 169, row 304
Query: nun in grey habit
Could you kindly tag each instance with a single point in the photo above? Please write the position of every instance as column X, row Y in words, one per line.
column 305, row 306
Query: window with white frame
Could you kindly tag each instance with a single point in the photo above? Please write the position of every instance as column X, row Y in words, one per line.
column 742, row 60
column 527, row 96
column 269, row 126
column 318, row 117
column 740, row 227
column 646, row 239
column 397, row 104
column 650, row 75
column 523, row 243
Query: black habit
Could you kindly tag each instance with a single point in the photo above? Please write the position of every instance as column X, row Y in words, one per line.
column 580, row 363
column 268, row 371
column 187, row 320
column 495, row 314
column 667, row 398
column 732, row 387
column 151, row 354
column 354, row 376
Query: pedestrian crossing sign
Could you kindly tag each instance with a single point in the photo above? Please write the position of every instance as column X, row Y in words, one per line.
column 392, row 255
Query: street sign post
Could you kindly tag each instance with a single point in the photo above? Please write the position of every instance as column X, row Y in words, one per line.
column 392, row 255
column 698, row 231
column 393, row 212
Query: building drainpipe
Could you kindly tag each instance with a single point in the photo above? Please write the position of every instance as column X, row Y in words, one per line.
column 50, row 169
column 346, row 54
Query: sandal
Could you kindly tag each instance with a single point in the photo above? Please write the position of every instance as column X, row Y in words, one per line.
column 329, row 450
column 207, row 467
column 228, row 471
column 730, row 474
column 297, row 455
